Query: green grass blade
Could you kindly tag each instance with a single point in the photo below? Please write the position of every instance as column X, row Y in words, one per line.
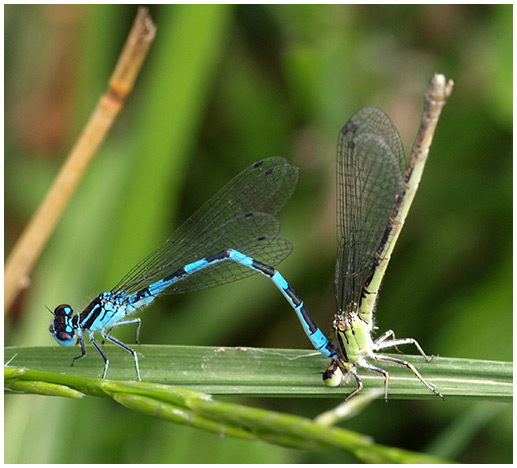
column 271, row 372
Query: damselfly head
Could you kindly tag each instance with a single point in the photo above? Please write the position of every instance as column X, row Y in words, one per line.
column 337, row 373
column 341, row 321
column 333, row 376
column 62, row 327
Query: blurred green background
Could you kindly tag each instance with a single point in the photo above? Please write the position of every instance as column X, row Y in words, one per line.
column 224, row 86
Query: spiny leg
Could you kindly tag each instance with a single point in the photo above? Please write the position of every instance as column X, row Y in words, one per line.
column 126, row 322
column 83, row 351
column 124, row 347
column 102, row 353
column 376, row 370
column 401, row 362
column 358, row 382
column 381, row 343
column 384, row 337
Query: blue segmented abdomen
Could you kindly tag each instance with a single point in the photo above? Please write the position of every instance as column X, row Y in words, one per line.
column 318, row 339
column 316, row 336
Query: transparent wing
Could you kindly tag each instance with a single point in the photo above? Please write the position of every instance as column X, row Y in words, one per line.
column 240, row 216
column 261, row 243
column 370, row 168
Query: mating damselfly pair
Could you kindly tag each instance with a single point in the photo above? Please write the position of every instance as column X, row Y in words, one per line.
column 235, row 234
